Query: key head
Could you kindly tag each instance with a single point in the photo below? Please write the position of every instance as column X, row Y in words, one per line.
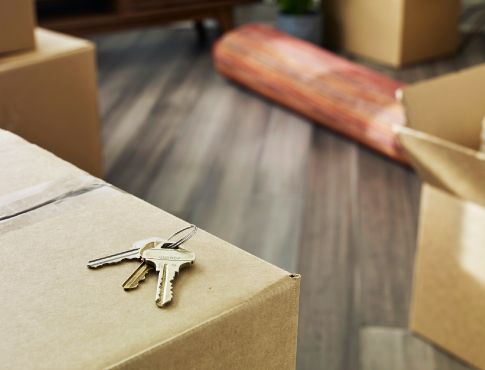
column 148, row 243
column 160, row 256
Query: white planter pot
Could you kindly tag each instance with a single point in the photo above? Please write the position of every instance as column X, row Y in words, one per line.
column 306, row 27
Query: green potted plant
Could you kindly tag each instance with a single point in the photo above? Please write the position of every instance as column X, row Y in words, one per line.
column 300, row 18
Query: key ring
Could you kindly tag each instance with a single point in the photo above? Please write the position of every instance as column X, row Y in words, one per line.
column 183, row 239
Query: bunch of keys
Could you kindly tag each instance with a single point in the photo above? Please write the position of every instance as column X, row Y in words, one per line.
column 166, row 257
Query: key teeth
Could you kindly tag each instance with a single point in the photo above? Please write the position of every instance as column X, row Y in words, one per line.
column 160, row 302
column 96, row 266
column 102, row 265
column 137, row 276
column 141, row 280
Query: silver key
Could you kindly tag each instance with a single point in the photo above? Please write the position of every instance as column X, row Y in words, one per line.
column 167, row 262
column 132, row 254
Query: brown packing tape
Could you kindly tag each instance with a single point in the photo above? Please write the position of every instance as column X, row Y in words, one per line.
column 23, row 164
column 36, row 196
column 448, row 166
column 49, row 180
column 57, row 208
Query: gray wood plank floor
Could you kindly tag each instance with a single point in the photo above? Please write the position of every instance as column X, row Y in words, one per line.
column 293, row 193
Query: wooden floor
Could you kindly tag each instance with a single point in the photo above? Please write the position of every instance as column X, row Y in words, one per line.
column 295, row 194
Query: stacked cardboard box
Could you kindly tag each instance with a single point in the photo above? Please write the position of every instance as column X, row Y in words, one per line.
column 445, row 116
column 48, row 92
column 230, row 310
column 16, row 25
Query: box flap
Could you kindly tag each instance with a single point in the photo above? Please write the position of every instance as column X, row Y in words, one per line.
column 450, row 107
column 448, row 166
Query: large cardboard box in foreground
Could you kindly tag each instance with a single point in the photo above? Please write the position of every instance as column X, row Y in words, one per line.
column 230, row 310
column 16, row 25
column 393, row 32
column 448, row 305
column 49, row 97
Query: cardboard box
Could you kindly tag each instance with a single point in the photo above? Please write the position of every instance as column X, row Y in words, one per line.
column 16, row 25
column 448, row 306
column 49, row 97
column 230, row 309
column 393, row 32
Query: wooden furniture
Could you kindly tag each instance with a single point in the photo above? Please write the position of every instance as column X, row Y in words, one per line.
column 82, row 17
column 341, row 95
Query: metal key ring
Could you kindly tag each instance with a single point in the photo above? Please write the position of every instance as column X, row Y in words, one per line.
column 183, row 239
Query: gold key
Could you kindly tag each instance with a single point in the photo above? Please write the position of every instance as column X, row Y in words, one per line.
column 138, row 276
column 167, row 262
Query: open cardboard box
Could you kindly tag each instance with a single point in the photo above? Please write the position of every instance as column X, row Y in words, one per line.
column 230, row 310
column 444, row 115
